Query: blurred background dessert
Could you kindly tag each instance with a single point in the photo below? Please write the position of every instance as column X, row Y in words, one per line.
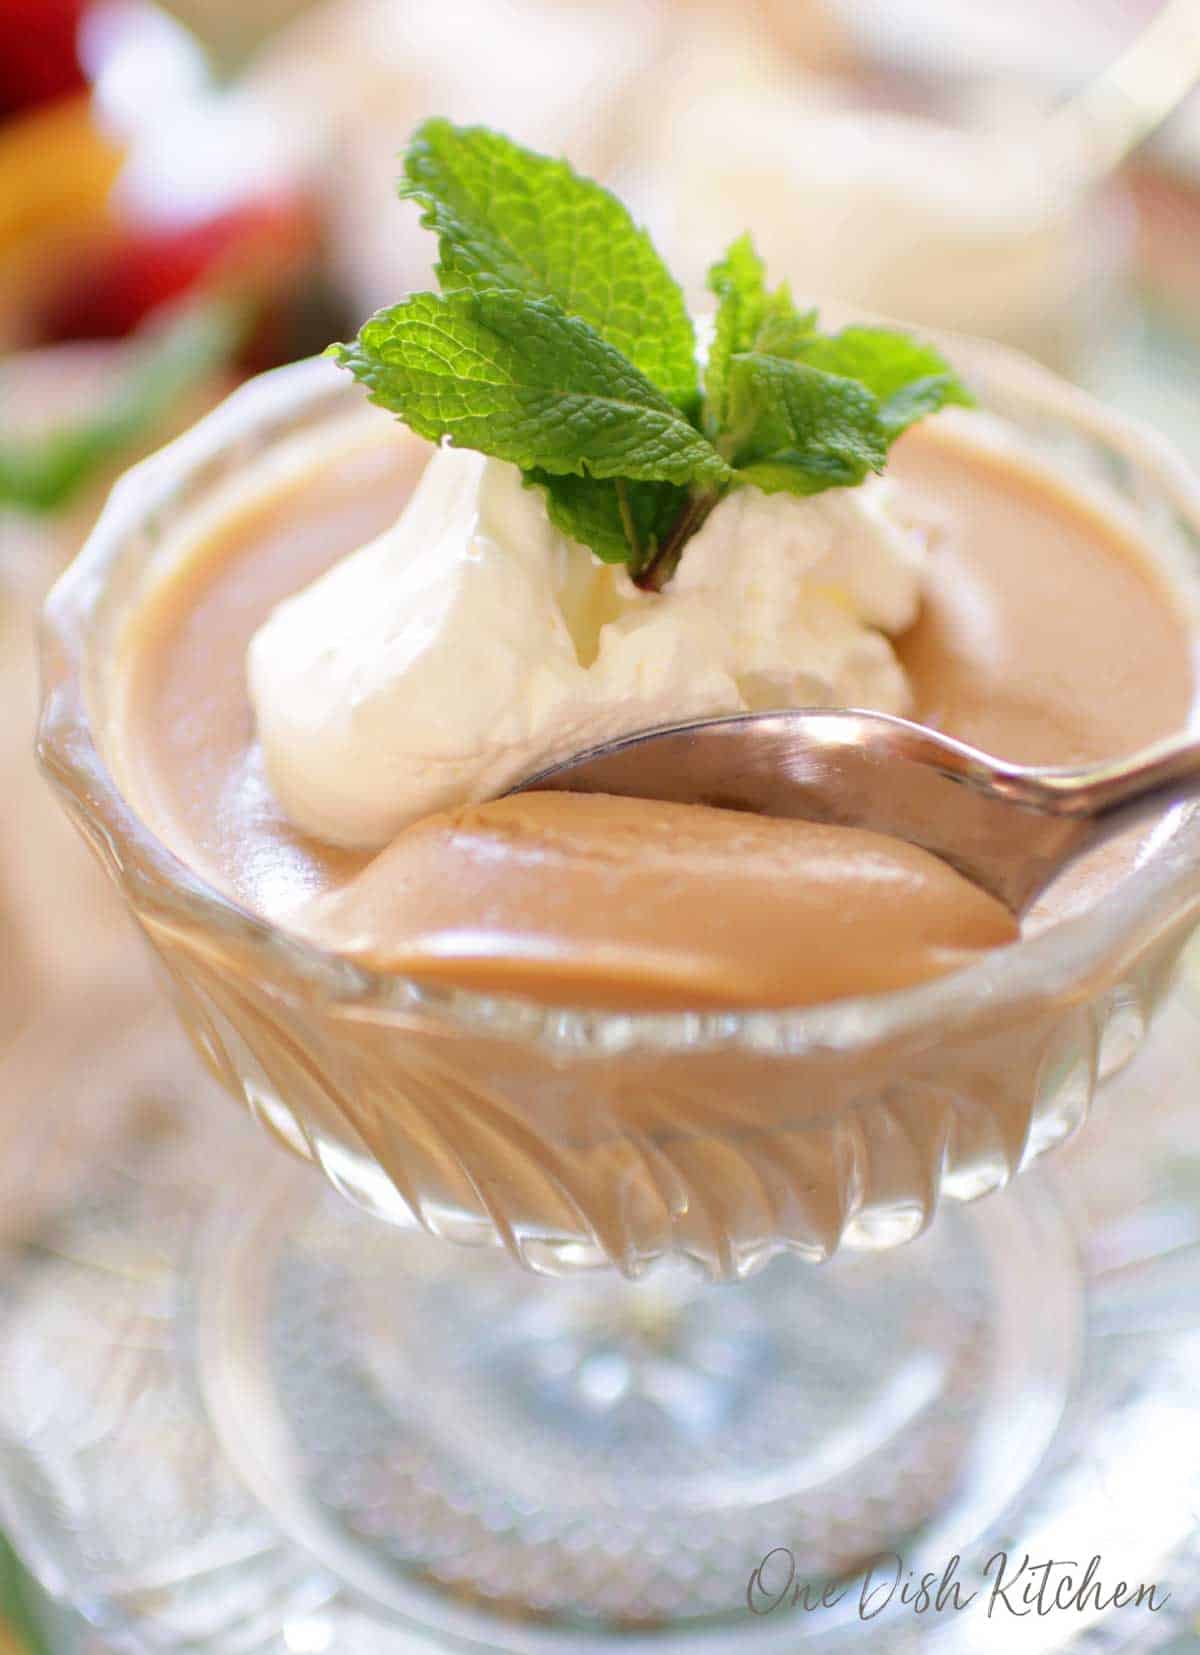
column 160, row 159
column 872, row 192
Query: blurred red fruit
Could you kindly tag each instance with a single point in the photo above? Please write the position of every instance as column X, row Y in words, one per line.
column 251, row 249
column 39, row 59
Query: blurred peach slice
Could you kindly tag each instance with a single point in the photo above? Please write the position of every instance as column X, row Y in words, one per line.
column 55, row 164
column 57, row 169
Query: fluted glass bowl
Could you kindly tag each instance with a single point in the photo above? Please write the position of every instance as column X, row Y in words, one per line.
column 584, row 1137
column 547, row 1467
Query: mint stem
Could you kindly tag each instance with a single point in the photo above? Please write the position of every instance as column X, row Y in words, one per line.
column 658, row 571
column 627, row 523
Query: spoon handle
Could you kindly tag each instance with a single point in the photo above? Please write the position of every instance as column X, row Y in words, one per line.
column 1155, row 777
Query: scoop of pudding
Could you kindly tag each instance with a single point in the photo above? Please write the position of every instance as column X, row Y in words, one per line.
column 606, row 900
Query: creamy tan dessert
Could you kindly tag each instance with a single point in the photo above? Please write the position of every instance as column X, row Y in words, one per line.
column 1045, row 635
column 599, row 900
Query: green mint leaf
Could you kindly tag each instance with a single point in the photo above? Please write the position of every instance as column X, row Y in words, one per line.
column 794, row 427
column 909, row 378
column 749, row 318
column 519, row 379
column 739, row 283
column 508, row 217
column 562, row 344
column 785, row 331
column 621, row 522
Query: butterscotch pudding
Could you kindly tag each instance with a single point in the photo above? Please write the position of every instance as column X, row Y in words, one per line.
column 1044, row 634
column 308, row 655
column 323, row 703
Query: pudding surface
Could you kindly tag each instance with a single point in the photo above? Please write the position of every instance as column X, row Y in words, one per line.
column 1046, row 636
column 611, row 901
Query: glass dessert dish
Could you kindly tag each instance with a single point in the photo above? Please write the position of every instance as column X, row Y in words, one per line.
column 552, row 1464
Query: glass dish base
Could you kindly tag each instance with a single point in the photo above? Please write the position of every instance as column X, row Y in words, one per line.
column 239, row 1416
column 592, row 1456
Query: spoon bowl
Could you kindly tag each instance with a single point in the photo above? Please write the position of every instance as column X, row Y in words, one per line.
column 1009, row 828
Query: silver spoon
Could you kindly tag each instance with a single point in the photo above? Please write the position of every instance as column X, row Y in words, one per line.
column 1010, row 828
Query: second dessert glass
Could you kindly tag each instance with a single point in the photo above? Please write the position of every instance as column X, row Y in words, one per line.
column 534, row 1464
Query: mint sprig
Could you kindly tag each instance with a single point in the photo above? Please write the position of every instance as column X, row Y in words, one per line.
column 748, row 318
column 519, row 379
column 561, row 342
column 909, row 378
column 505, row 217
column 793, row 428
column 613, row 517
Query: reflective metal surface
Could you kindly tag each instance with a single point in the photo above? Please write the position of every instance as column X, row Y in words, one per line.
column 1008, row 827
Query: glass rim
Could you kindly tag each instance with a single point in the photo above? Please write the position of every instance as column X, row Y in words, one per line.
column 1086, row 950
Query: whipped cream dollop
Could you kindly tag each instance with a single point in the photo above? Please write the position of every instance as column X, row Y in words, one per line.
column 472, row 643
